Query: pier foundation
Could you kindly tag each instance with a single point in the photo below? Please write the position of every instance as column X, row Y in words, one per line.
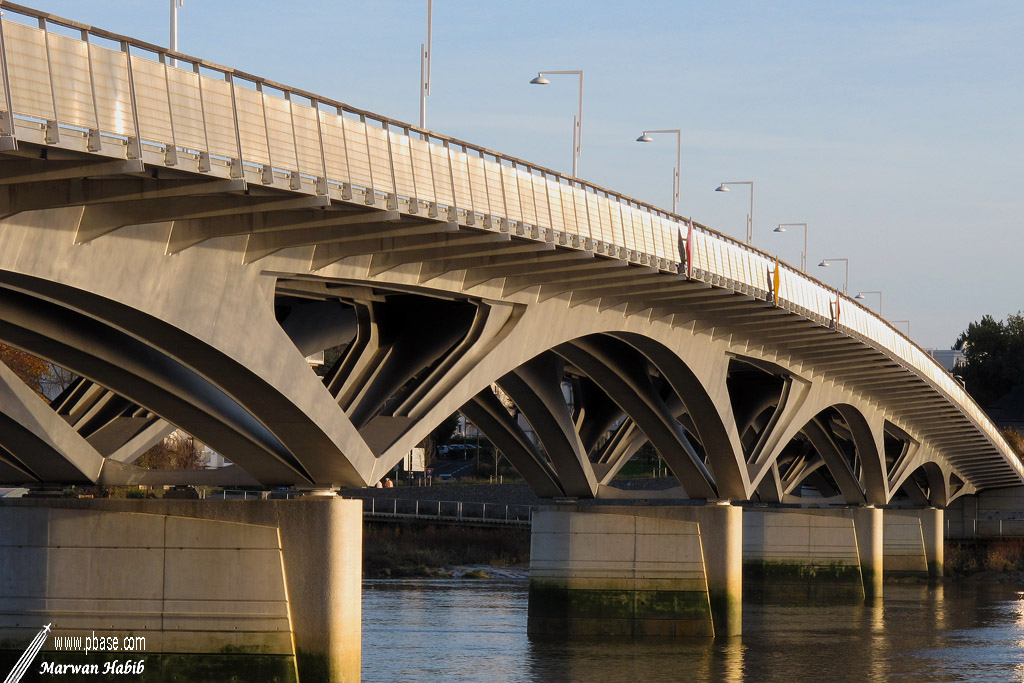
column 651, row 571
column 272, row 579
column 801, row 553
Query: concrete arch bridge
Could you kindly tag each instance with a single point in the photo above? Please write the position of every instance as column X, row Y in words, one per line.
column 182, row 235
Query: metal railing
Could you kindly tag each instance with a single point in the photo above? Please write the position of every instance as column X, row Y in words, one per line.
column 124, row 98
column 448, row 511
column 985, row 528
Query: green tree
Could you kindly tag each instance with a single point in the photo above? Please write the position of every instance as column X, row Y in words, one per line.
column 993, row 357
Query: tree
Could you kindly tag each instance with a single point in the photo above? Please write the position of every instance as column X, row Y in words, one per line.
column 1014, row 438
column 28, row 368
column 440, row 435
column 44, row 378
column 177, row 452
column 993, row 357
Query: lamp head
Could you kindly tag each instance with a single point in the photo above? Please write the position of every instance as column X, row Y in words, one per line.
column 824, row 264
column 540, row 80
column 645, row 138
column 722, row 188
column 779, row 229
column 860, row 295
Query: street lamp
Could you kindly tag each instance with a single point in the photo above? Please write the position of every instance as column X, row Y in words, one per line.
column 750, row 216
column 175, row 4
column 425, row 69
column 803, row 255
column 577, row 122
column 906, row 322
column 825, row 263
column 646, row 137
column 860, row 295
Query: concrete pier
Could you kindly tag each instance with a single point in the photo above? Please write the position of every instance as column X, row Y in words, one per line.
column 870, row 524
column 653, row 571
column 933, row 531
column 794, row 553
column 267, row 578
column 904, row 544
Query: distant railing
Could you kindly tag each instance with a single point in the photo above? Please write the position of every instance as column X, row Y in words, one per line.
column 69, row 79
column 448, row 511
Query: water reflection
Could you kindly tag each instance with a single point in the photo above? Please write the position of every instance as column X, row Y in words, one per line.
column 476, row 631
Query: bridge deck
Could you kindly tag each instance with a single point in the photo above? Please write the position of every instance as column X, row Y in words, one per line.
column 123, row 105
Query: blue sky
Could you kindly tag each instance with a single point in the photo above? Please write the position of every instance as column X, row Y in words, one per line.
column 894, row 129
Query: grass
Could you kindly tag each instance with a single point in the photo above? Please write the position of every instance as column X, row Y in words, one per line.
column 393, row 550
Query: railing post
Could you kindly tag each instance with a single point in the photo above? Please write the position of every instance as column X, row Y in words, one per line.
column 239, row 171
column 204, row 155
column 52, row 127
column 7, row 118
column 171, row 151
column 94, row 143
column 321, row 182
column 268, row 171
column 295, row 182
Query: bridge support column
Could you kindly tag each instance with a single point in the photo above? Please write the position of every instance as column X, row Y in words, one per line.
column 933, row 529
column 870, row 524
column 275, row 581
column 652, row 571
column 799, row 553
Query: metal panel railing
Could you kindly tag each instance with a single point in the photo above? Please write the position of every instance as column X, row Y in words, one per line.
column 448, row 510
column 137, row 96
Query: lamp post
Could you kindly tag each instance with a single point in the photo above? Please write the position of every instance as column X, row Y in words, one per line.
column 646, row 137
column 425, row 69
column 750, row 216
column 577, row 122
column 860, row 295
column 906, row 322
column 175, row 4
column 825, row 263
column 803, row 255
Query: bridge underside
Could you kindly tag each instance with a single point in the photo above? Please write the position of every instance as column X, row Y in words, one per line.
column 190, row 302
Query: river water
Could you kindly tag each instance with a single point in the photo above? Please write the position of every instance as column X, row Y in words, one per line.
column 465, row 630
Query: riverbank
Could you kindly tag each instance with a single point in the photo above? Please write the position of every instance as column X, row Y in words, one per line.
column 419, row 549
column 426, row 550
column 982, row 559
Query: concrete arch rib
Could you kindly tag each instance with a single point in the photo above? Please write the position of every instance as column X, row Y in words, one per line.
column 535, row 387
column 832, row 457
column 938, row 491
column 706, row 400
column 314, row 438
column 134, row 370
column 620, row 371
column 488, row 414
column 36, row 444
column 869, row 439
